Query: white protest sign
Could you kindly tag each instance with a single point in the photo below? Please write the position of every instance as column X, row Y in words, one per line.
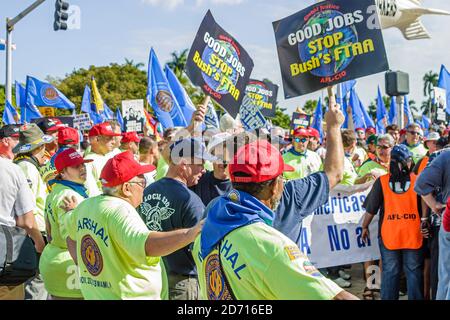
column 82, row 121
column 440, row 98
column 133, row 115
column 331, row 236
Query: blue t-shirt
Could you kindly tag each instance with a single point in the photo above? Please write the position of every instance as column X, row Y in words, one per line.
column 300, row 198
column 209, row 187
column 169, row 205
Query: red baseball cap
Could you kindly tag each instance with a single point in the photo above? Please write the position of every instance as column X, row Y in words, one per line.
column 371, row 130
column 103, row 129
column 122, row 168
column 314, row 133
column 256, row 162
column 68, row 135
column 301, row 132
column 69, row 158
column 130, row 137
column 402, row 132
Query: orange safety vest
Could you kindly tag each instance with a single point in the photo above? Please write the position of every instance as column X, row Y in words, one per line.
column 423, row 164
column 400, row 228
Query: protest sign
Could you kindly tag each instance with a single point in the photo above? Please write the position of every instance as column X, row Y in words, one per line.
column 219, row 65
column 331, row 236
column 264, row 96
column 47, row 111
column 300, row 120
column 82, row 122
column 251, row 116
column 133, row 115
column 328, row 43
column 440, row 98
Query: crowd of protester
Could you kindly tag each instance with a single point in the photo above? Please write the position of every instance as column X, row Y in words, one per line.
column 218, row 214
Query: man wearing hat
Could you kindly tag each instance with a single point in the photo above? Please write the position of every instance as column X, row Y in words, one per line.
column 117, row 256
column 169, row 205
column 314, row 139
column 130, row 142
column 9, row 138
column 30, row 157
column 299, row 157
column 56, row 265
column 400, row 239
column 430, row 143
column 371, row 144
column 50, row 126
column 101, row 137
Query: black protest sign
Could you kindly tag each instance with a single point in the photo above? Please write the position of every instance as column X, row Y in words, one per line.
column 329, row 43
column 264, row 95
column 300, row 120
column 219, row 65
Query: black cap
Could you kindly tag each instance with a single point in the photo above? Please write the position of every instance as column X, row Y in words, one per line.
column 49, row 124
column 442, row 142
column 10, row 130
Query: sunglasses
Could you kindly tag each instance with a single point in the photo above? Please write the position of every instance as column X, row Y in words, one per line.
column 384, row 147
column 302, row 140
column 414, row 133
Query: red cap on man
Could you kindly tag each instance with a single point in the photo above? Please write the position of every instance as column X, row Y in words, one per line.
column 103, row 129
column 69, row 158
column 370, row 131
column 314, row 133
column 68, row 135
column 301, row 132
column 122, row 168
column 256, row 162
column 130, row 137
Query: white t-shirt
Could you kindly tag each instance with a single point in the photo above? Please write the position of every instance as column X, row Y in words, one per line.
column 16, row 198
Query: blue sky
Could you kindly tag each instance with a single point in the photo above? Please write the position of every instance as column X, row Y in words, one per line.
column 112, row 30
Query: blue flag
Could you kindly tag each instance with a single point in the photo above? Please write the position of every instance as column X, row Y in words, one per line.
column 426, row 122
column 21, row 97
column 161, row 97
column 358, row 116
column 108, row 114
column 211, row 118
column 119, row 118
column 318, row 117
column 43, row 94
column 90, row 108
column 444, row 83
column 407, row 111
column 344, row 111
column 346, row 87
column 381, row 113
column 367, row 119
column 185, row 103
column 393, row 112
column 9, row 113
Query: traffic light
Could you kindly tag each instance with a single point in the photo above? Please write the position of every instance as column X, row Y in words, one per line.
column 61, row 15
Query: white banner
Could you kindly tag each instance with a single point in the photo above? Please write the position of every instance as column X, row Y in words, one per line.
column 331, row 236
column 133, row 115
column 82, row 121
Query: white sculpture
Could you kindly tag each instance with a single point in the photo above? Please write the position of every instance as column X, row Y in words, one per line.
column 405, row 15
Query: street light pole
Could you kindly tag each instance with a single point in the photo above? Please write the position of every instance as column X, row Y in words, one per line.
column 10, row 23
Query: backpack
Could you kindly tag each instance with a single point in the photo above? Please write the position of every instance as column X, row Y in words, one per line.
column 18, row 257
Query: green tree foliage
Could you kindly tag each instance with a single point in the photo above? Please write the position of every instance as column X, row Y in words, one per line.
column 310, row 106
column 115, row 82
column 281, row 118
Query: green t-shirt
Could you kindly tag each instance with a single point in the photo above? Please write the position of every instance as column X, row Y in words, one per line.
column 57, row 268
column 418, row 152
column 93, row 171
column 350, row 174
column 39, row 189
column 370, row 166
column 112, row 262
column 161, row 169
column 304, row 165
column 260, row 263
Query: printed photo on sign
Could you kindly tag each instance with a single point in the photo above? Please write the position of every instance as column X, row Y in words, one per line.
column 328, row 43
column 82, row 121
column 219, row 65
column 264, row 95
column 133, row 115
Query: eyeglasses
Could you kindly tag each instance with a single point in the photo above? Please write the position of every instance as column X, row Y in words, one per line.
column 302, row 140
column 142, row 184
column 414, row 133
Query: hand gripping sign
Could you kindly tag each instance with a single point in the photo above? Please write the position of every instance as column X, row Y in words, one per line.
column 219, row 65
column 329, row 43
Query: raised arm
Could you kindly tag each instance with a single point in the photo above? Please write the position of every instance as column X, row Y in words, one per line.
column 334, row 160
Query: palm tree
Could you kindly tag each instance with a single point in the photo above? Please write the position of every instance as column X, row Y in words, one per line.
column 178, row 62
column 430, row 80
column 131, row 63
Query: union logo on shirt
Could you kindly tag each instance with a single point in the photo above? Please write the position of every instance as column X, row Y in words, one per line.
column 216, row 284
column 91, row 255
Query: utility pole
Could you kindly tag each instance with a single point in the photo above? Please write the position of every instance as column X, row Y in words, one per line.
column 400, row 111
column 10, row 23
